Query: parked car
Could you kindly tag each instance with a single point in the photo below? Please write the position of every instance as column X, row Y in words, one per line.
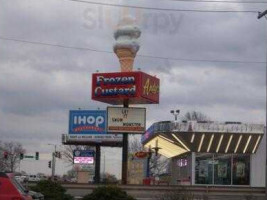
column 11, row 190
column 36, row 195
column 21, row 179
column 33, row 178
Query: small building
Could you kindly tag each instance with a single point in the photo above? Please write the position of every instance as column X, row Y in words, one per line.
column 211, row 153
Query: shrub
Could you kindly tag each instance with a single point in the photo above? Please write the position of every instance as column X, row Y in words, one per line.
column 180, row 193
column 52, row 190
column 108, row 193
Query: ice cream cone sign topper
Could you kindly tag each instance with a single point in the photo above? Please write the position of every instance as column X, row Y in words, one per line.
column 127, row 44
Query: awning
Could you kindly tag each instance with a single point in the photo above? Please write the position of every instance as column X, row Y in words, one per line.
column 175, row 138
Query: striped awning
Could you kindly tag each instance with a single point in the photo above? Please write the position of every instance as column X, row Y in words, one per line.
column 175, row 138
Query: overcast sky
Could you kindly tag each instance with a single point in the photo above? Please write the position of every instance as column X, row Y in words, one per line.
column 40, row 84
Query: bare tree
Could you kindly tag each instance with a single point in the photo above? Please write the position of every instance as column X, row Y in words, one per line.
column 135, row 145
column 195, row 116
column 13, row 151
column 158, row 164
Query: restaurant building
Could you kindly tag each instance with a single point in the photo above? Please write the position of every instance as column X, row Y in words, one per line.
column 211, row 153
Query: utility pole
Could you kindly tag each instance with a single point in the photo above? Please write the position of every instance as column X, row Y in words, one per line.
column 54, row 163
column 260, row 15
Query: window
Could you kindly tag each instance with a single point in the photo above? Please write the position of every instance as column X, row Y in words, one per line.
column 241, row 169
column 222, row 169
column 204, row 169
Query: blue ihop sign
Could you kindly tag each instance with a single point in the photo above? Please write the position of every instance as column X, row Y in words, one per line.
column 87, row 122
column 83, row 153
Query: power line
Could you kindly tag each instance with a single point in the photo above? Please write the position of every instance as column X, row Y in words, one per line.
column 53, row 45
column 139, row 55
column 164, row 9
column 220, row 1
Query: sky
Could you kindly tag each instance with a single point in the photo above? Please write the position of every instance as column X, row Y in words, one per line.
column 194, row 54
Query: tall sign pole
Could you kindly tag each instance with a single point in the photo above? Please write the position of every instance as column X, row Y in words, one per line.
column 125, row 48
column 263, row 14
column 124, row 152
column 125, row 88
column 97, row 163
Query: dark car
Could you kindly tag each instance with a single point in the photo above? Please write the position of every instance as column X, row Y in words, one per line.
column 36, row 195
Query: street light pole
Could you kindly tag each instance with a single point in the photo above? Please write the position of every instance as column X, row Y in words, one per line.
column 175, row 113
column 53, row 161
column 260, row 15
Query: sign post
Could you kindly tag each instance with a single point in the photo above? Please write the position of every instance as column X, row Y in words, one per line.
column 124, row 151
column 89, row 125
column 126, row 87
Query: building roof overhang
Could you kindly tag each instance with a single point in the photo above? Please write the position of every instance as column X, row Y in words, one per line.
column 176, row 138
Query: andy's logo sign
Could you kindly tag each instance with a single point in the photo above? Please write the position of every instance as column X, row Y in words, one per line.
column 87, row 122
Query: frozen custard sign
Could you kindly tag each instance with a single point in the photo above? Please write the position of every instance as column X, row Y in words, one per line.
column 114, row 88
column 117, row 85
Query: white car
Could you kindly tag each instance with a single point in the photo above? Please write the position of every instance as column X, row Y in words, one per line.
column 33, row 178
column 21, row 179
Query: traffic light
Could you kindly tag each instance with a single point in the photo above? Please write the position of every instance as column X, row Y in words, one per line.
column 36, row 155
column 5, row 155
column 49, row 164
column 57, row 154
column 21, row 156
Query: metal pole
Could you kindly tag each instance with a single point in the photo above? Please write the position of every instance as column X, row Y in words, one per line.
column 104, row 168
column 148, row 163
column 54, row 163
column 124, row 152
column 97, row 163
column 263, row 14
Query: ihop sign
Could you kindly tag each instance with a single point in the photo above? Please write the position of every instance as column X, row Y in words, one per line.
column 87, row 122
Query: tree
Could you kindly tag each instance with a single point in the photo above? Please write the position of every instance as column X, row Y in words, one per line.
column 108, row 178
column 52, row 190
column 68, row 152
column 195, row 116
column 108, row 193
column 157, row 165
column 13, row 151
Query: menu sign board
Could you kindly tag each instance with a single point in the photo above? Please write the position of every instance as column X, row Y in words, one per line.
column 83, row 156
column 126, row 120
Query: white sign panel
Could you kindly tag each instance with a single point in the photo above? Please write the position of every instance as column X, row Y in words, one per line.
column 126, row 120
column 220, row 127
column 83, row 160
column 94, row 138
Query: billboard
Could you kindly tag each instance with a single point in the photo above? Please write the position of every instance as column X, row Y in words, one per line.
column 83, row 156
column 105, row 138
column 126, row 120
column 87, row 122
column 114, row 88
